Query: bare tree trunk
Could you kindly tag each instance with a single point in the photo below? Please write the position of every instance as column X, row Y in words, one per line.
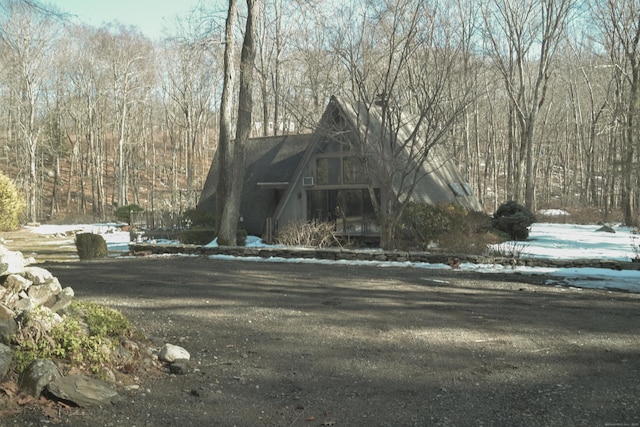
column 225, row 147
column 122, row 195
column 231, row 211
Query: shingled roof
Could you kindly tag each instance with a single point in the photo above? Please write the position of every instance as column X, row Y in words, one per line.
column 270, row 165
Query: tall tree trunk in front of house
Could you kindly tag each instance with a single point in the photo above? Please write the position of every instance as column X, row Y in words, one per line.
column 224, row 153
column 231, row 209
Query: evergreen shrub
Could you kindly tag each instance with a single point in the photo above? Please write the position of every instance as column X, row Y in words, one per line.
column 197, row 235
column 449, row 226
column 514, row 220
column 123, row 213
column 11, row 204
column 199, row 218
column 425, row 223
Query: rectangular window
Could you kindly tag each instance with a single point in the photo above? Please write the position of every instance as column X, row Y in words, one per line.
column 467, row 189
column 328, row 171
column 352, row 211
column 353, row 171
column 457, row 190
column 317, row 205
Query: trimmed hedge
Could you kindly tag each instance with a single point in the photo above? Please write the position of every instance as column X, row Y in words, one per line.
column 91, row 246
column 204, row 235
column 197, row 235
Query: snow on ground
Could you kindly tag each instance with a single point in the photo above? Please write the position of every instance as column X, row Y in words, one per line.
column 117, row 240
column 553, row 212
column 571, row 241
column 558, row 241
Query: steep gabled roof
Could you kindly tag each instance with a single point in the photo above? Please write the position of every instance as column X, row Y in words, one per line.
column 270, row 163
column 440, row 179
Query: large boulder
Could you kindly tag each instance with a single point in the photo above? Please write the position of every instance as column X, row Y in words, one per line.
column 16, row 283
column 83, row 391
column 24, row 287
column 170, row 353
column 38, row 374
column 8, row 325
column 11, row 262
column 6, row 360
column 63, row 300
column 37, row 275
column 47, row 292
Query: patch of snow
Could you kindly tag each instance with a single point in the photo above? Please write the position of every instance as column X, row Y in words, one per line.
column 572, row 241
column 553, row 212
column 116, row 239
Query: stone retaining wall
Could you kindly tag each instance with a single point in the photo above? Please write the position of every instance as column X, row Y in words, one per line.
column 337, row 254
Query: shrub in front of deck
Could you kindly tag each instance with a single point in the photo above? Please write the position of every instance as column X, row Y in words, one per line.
column 11, row 204
column 91, row 246
column 197, row 235
column 513, row 219
column 449, row 226
column 199, row 218
column 200, row 227
column 424, row 224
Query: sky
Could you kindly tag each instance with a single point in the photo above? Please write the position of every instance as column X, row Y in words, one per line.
column 150, row 16
column 559, row 240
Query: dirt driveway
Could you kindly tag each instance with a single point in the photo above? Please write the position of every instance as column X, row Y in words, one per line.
column 277, row 344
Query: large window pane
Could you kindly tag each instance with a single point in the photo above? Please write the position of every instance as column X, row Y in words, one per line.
column 328, row 170
column 351, row 210
column 317, row 205
column 353, row 171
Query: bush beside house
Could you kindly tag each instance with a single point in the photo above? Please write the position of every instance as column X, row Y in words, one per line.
column 514, row 220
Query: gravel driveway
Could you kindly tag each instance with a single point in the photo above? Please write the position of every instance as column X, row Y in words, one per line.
column 276, row 344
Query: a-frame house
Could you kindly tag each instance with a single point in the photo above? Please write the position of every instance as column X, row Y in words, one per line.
column 320, row 177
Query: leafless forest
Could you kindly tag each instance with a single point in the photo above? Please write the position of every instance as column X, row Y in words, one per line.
column 538, row 101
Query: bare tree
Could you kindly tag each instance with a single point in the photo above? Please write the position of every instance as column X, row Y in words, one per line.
column 524, row 37
column 620, row 36
column 234, row 169
column 224, row 153
column 128, row 54
column 189, row 78
column 27, row 37
column 406, row 64
column 88, row 80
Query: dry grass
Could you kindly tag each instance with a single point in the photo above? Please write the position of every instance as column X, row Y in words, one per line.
column 308, row 234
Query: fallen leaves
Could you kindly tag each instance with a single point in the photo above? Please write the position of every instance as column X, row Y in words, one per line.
column 13, row 402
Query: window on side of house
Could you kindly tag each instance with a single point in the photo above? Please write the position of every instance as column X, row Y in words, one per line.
column 328, row 170
column 467, row 188
column 456, row 188
column 353, row 170
column 352, row 210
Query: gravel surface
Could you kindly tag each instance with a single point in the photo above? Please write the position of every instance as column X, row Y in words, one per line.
column 277, row 344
